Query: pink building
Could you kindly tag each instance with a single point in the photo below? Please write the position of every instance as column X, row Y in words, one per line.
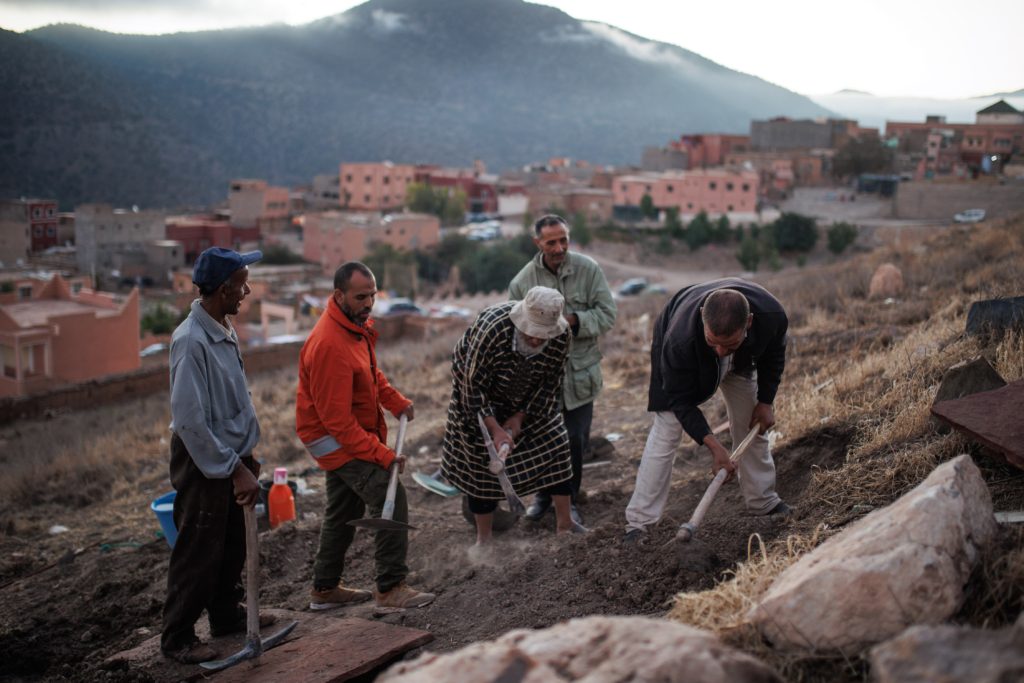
column 374, row 186
column 199, row 233
column 27, row 223
column 332, row 238
column 255, row 204
column 709, row 149
column 60, row 337
column 567, row 200
column 715, row 191
column 482, row 189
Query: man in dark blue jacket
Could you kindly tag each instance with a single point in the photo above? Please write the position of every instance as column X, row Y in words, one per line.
column 727, row 334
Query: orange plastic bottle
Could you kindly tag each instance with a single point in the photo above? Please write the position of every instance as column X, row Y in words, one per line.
column 282, row 504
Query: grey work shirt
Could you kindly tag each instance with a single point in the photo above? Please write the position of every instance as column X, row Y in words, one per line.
column 211, row 408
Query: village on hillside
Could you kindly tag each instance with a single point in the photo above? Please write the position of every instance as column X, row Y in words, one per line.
column 898, row 255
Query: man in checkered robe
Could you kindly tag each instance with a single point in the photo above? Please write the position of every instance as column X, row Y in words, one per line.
column 508, row 367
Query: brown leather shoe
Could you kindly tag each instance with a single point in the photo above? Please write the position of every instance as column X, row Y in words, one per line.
column 402, row 597
column 193, row 653
column 339, row 596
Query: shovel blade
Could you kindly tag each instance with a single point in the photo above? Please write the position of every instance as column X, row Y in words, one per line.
column 381, row 524
column 251, row 650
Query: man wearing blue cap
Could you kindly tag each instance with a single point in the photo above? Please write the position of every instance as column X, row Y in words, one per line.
column 214, row 431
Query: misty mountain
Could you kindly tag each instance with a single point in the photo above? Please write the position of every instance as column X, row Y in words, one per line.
column 168, row 120
column 875, row 110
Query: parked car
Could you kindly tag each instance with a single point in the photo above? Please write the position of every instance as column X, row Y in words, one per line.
column 970, row 216
column 152, row 350
column 633, row 286
column 402, row 306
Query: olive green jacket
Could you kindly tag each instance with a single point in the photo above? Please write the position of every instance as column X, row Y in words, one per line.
column 586, row 293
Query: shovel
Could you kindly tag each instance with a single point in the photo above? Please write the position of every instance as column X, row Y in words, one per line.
column 688, row 529
column 385, row 523
column 254, row 647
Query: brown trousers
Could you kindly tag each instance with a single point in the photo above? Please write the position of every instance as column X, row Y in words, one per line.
column 207, row 559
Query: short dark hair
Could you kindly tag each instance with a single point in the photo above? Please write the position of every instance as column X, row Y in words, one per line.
column 547, row 221
column 343, row 274
column 725, row 311
column 206, row 291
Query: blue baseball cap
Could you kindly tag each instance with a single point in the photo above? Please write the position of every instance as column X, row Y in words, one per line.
column 215, row 265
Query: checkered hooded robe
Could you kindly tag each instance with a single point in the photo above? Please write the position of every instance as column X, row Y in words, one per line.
column 490, row 377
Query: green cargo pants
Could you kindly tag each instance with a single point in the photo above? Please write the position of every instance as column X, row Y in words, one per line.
column 351, row 489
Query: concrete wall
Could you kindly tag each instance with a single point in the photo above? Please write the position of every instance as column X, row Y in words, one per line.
column 130, row 386
column 926, row 200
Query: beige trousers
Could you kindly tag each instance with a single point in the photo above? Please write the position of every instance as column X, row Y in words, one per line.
column 756, row 468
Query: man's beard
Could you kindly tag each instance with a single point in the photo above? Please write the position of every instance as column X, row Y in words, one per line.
column 525, row 349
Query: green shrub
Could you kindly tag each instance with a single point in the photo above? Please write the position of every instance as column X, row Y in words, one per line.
column 749, row 253
column 793, row 232
column 840, row 236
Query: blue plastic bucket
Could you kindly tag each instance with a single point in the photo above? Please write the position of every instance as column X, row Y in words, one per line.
column 163, row 507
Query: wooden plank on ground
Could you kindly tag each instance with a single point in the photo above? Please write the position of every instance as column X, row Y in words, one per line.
column 323, row 648
column 990, row 417
column 335, row 650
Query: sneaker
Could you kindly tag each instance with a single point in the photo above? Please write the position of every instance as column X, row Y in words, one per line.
column 781, row 509
column 537, row 508
column 402, row 597
column 634, row 537
column 339, row 596
column 193, row 653
column 239, row 625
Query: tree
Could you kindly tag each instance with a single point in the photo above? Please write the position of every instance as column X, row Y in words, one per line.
column 721, row 232
column 749, row 253
column 453, row 207
column 580, row 230
column 866, row 154
column 698, row 232
column 647, row 208
column 840, row 236
column 448, row 204
column 160, row 319
column 280, row 255
column 793, row 232
column 674, row 226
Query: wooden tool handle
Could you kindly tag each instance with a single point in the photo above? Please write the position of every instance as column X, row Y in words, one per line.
column 702, row 507
column 388, row 511
column 252, row 579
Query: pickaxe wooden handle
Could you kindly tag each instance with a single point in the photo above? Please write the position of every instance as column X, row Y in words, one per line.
column 688, row 529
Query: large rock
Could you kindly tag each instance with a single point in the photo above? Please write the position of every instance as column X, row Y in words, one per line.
column 964, row 379
column 993, row 317
column 950, row 654
column 902, row 565
column 886, row 282
column 594, row 649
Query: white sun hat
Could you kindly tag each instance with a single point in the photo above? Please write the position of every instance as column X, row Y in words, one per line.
column 540, row 313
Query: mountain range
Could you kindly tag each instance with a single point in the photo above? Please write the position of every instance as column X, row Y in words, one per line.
column 168, row 120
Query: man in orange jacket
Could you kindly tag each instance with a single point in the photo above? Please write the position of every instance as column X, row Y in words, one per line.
column 339, row 416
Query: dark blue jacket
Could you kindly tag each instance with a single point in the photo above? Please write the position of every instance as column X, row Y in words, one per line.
column 685, row 370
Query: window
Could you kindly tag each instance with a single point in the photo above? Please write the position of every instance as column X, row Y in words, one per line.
column 76, row 287
column 728, row 187
column 367, row 179
column 8, row 360
column 37, row 212
column 366, row 199
column 387, row 180
column 746, row 187
column 729, row 208
column 669, row 188
column 51, row 231
column 50, row 211
column 25, row 292
column 37, row 231
column 712, row 185
column 689, row 205
column 348, row 178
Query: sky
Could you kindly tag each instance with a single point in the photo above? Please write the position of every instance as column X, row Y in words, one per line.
column 935, row 49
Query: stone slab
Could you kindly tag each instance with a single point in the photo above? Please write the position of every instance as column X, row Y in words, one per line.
column 321, row 649
column 991, row 417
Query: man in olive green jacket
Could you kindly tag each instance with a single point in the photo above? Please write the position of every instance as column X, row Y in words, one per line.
column 590, row 310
